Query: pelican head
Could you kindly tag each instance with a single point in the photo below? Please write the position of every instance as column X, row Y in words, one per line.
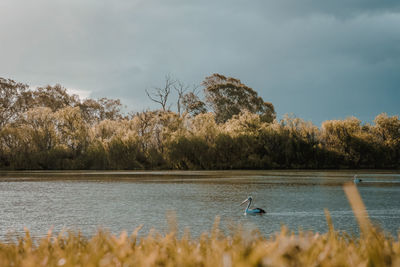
column 246, row 200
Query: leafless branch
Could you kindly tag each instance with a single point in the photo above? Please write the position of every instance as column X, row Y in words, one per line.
column 160, row 95
column 180, row 88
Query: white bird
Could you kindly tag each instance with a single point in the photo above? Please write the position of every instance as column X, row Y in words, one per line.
column 251, row 211
column 357, row 180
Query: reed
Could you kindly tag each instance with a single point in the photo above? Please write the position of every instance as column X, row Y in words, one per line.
column 241, row 248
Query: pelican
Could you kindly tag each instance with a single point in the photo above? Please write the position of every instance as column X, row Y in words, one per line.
column 251, row 211
column 357, row 180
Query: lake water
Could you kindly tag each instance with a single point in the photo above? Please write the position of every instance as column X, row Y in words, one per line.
column 121, row 201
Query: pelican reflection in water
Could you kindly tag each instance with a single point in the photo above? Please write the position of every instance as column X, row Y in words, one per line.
column 251, row 211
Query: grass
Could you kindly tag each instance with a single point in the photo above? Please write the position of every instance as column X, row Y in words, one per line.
column 241, row 248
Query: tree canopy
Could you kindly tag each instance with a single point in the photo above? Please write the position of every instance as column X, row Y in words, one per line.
column 228, row 96
column 47, row 128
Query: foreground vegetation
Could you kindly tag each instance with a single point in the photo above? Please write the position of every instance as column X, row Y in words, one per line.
column 47, row 128
column 372, row 248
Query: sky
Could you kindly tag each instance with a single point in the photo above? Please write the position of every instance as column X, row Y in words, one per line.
column 315, row 59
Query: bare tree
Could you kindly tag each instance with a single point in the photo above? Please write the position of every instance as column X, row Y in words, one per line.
column 181, row 89
column 160, row 95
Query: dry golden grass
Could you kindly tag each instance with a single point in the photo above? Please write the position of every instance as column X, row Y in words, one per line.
column 372, row 248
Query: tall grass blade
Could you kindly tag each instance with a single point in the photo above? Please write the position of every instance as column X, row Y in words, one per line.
column 359, row 210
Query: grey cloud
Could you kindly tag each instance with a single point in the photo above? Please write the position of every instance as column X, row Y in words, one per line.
column 317, row 59
column 340, row 8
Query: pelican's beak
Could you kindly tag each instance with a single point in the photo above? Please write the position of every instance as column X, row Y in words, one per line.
column 244, row 202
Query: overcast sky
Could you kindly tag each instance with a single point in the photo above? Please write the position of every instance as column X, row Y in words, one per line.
column 317, row 59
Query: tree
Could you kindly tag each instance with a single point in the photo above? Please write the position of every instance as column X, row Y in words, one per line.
column 101, row 109
column 160, row 95
column 387, row 134
column 72, row 129
column 54, row 97
column 91, row 110
column 192, row 103
column 387, row 129
column 39, row 123
column 110, row 109
column 180, row 88
column 13, row 98
column 205, row 127
column 229, row 96
column 245, row 123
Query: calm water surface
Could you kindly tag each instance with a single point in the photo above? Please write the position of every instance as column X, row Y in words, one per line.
column 124, row 200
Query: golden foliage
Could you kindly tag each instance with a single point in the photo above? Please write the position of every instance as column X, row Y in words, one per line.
column 47, row 128
column 245, row 123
